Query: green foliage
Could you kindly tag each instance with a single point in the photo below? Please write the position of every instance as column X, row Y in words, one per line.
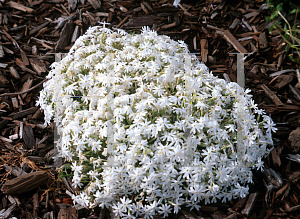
column 65, row 171
column 289, row 31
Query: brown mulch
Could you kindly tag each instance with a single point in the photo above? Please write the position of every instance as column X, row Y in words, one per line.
column 32, row 31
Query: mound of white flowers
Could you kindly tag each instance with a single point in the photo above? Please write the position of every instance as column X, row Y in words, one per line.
column 174, row 130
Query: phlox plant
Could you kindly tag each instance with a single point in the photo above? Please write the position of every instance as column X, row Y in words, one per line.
column 173, row 145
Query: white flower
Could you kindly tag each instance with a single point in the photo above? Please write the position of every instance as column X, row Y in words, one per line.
column 165, row 210
column 241, row 191
column 163, row 149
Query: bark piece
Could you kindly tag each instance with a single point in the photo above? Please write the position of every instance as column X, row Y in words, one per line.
column 263, row 42
column 295, row 92
column 23, row 113
column 38, row 66
column 168, row 25
column 23, row 67
column 271, row 95
column 209, row 208
column 122, row 22
column 101, row 14
column 6, row 214
column 3, row 123
column 26, row 86
column 72, row 5
column 240, row 204
column 294, row 140
column 294, row 157
column 283, row 81
column 20, row 7
column 298, row 78
column 250, row 204
column 37, row 114
column 17, row 171
column 281, row 72
column 24, row 57
column 95, row 3
column 142, row 21
column 251, row 14
column 36, row 159
column 3, row 65
column 294, row 208
column 63, row 20
column 14, row 72
column 144, row 8
column 235, row 23
column 1, row 52
column 148, row 6
column 185, row 11
column 204, row 49
column 273, row 177
column 233, row 41
column 276, row 156
column 281, row 191
column 65, row 36
column 35, row 202
column 75, row 34
column 232, row 216
column 36, row 29
column 3, row 79
column 25, row 183
column 28, row 137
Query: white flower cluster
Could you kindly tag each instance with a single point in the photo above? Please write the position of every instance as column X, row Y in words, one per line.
column 165, row 154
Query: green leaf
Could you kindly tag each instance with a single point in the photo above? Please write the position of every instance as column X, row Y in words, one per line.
column 279, row 7
column 287, row 47
column 271, row 28
column 285, row 27
column 268, row 19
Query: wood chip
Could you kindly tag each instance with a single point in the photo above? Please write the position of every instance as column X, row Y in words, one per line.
column 233, row 41
column 17, row 171
column 263, row 42
column 144, row 8
column 168, row 25
column 25, row 183
column 281, row 72
column 28, row 137
column 240, row 204
column 283, row 81
column 26, row 86
column 20, row 7
column 23, row 113
column 14, row 72
column 204, row 49
column 1, row 52
column 235, row 23
column 251, row 14
column 95, row 3
column 250, row 204
column 122, row 22
column 271, row 95
column 295, row 92
column 36, row 29
column 65, row 36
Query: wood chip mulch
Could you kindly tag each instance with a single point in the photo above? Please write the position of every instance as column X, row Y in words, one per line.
column 32, row 31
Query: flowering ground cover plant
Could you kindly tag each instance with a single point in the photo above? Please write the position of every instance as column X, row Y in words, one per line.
column 173, row 145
